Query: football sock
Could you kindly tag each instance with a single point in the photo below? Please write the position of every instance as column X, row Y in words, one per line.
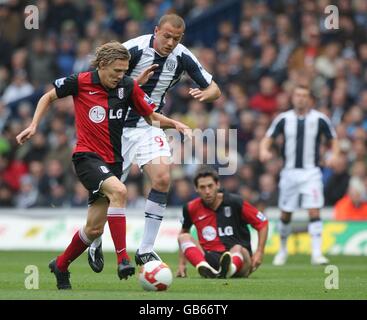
column 154, row 210
column 284, row 231
column 117, row 223
column 315, row 231
column 236, row 265
column 78, row 244
column 192, row 253
column 96, row 242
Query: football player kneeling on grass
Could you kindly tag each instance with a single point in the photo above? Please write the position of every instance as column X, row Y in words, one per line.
column 223, row 249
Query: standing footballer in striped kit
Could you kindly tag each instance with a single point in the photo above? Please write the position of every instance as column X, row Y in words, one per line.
column 158, row 62
column 301, row 178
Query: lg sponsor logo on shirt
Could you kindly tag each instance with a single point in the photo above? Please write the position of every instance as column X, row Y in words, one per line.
column 97, row 114
column 209, row 232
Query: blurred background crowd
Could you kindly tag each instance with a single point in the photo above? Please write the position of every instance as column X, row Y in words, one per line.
column 256, row 51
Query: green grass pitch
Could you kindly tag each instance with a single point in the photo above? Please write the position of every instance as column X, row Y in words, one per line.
column 297, row 280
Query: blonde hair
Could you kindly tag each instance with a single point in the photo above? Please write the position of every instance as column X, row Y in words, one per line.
column 109, row 52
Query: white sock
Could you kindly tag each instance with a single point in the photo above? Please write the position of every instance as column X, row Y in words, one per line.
column 96, row 242
column 284, row 231
column 84, row 237
column 315, row 231
column 154, row 210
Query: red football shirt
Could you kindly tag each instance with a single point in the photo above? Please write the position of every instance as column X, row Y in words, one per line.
column 100, row 113
column 225, row 227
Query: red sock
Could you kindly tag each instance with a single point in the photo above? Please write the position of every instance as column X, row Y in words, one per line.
column 117, row 223
column 194, row 255
column 237, row 261
column 73, row 251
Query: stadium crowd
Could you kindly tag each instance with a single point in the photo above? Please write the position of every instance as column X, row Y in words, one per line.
column 255, row 63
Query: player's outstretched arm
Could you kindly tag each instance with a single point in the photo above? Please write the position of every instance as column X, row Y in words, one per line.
column 257, row 258
column 143, row 77
column 181, row 269
column 165, row 123
column 209, row 94
column 264, row 153
column 42, row 107
column 335, row 153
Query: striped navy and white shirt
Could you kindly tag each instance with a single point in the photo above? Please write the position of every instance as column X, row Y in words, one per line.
column 169, row 72
column 302, row 135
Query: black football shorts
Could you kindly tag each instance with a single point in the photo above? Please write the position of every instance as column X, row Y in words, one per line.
column 213, row 257
column 92, row 171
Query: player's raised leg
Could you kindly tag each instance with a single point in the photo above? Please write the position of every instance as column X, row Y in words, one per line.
column 158, row 171
column 116, row 192
column 81, row 240
column 95, row 253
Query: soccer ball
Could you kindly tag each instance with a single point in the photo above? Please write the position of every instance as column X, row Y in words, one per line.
column 155, row 276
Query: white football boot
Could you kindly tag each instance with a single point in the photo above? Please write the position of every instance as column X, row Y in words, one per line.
column 206, row 270
column 280, row 258
column 319, row 260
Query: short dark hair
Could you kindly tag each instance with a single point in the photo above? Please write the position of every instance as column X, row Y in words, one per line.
column 206, row 172
column 173, row 19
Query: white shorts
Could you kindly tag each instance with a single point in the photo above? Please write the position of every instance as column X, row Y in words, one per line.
column 300, row 188
column 141, row 145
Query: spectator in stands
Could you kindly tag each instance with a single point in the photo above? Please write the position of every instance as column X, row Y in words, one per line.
column 266, row 99
column 337, row 184
column 28, row 193
column 19, row 88
column 353, row 206
column 6, row 196
column 41, row 63
column 279, row 39
column 79, row 196
column 183, row 193
column 134, row 199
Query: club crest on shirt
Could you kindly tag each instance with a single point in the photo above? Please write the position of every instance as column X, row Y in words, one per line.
column 227, row 211
column 261, row 216
column 104, row 169
column 170, row 65
column 148, row 100
column 120, row 93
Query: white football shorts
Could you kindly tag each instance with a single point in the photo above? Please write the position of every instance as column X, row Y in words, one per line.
column 300, row 188
column 141, row 145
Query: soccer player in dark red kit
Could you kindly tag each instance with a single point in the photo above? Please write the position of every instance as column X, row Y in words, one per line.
column 101, row 100
column 221, row 219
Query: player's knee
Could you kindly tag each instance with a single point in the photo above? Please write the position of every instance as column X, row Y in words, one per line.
column 236, row 248
column 118, row 194
column 93, row 232
column 161, row 181
column 286, row 217
column 184, row 237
